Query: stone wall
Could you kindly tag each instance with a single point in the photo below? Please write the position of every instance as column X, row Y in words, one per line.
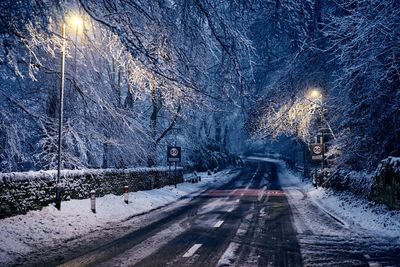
column 24, row 191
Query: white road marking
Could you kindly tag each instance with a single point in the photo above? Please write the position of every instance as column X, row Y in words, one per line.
column 370, row 263
column 230, row 209
column 237, row 200
column 192, row 250
column 374, row 264
column 218, row 224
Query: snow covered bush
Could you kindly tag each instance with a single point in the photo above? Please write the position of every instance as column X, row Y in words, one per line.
column 358, row 183
column 386, row 183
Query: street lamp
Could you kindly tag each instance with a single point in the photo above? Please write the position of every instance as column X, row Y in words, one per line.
column 315, row 94
column 77, row 22
column 316, row 98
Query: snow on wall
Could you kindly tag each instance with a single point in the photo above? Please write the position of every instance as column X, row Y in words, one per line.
column 24, row 191
column 386, row 183
column 382, row 186
column 359, row 183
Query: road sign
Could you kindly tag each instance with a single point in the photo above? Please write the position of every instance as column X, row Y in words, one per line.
column 317, row 151
column 174, row 154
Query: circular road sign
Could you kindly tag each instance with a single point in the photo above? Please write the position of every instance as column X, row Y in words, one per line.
column 174, row 152
column 317, row 150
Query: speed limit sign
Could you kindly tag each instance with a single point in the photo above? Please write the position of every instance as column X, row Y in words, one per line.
column 317, row 151
column 174, row 154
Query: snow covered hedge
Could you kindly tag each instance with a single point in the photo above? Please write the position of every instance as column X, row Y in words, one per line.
column 210, row 158
column 382, row 186
column 24, row 191
column 386, row 186
column 358, row 183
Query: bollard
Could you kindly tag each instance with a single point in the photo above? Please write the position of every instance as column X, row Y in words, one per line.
column 93, row 200
column 126, row 189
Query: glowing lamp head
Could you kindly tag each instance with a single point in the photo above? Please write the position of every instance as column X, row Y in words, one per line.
column 76, row 22
column 315, row 94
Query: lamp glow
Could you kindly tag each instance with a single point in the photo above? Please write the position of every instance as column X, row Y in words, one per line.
column 76, row 21
column 315, row 94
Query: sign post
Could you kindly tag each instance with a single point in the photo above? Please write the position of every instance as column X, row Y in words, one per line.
column 317, row 154
column 173, row 156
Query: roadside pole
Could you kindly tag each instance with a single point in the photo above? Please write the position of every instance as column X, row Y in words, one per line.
column 173, row 156
column 169, row 172
column 175, row 175
column 126, row 191
column 322, row 139
column 93, row 201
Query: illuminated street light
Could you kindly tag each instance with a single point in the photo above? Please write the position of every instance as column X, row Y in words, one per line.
column 315, row 94
column 76, row 21
column 316, row 98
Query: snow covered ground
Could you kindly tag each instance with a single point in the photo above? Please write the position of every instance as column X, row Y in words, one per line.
column 22, row 234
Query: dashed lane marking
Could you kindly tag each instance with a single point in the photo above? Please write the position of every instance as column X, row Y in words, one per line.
column 192, row 250
column 230, row 209
column 218, row 224
column 374, row 264
column 370, row 263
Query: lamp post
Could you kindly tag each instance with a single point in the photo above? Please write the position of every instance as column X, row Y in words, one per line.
column 77, row 22
column 60, row 118
column 317, row 97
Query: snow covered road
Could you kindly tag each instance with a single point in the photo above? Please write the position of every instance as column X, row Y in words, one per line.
column 260, row 215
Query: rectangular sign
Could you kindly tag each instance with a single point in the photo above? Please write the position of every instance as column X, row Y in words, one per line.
column 319, row 157
column 174, row 154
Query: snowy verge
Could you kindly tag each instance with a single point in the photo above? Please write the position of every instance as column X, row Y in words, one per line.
column 22, row 234
column 352, row 211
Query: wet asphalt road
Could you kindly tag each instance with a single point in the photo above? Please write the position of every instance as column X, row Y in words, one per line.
column 249, row 215
column 246, row 222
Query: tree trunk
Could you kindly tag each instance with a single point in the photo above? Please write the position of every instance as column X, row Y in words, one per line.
column 151, row 159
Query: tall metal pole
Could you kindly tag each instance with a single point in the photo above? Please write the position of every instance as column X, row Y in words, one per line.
column 322, row 137
column 60, row 119
column 76, row 41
